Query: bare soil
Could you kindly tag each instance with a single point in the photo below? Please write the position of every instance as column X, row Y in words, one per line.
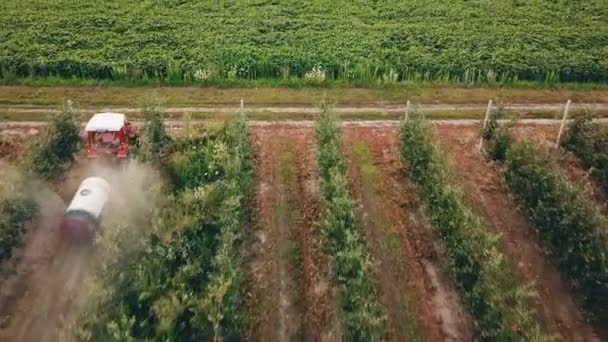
column 486, row 191
column 289, row 287
column 14, row 141
column 420, row 301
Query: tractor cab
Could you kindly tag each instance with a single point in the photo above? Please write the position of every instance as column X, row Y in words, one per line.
column 108, row 135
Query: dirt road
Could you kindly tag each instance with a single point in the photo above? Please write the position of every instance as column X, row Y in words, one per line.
column 288, row 277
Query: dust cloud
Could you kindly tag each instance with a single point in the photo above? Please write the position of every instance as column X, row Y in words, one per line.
column 48, row 279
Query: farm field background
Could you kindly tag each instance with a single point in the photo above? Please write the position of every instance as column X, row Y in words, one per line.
column 379, row 42
column 279, row 263
column 277, row 188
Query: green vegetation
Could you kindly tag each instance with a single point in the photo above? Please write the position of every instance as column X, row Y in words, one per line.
column 487, row 283
column 315, row 41
column 155, row 137
column 182, row 282
column 589, row 142
column 569, row 222
column 363, row 316
column 52, row 153
column 15, row 212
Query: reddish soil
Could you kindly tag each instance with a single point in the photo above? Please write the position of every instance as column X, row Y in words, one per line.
column 420, row 301
column 289, row 287
column 486, row 191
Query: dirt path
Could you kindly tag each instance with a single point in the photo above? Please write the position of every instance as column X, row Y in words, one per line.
column 288, row 284
column 39, row 285
column 420, row 302
column 342, row 109
column 486, row 191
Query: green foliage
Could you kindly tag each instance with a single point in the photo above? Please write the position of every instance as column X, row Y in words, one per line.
column 184, row 284
column 498, row 147
column 54, row 151
column 570, row 223
column 497, row 136
column 201, row 41
column 14, row 213
column 487, row 283
column 363, row 316
column 221, row 304
column 155, row 137
column 195, row 164
column 588, row 140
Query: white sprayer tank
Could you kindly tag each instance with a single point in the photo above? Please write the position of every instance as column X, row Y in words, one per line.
column 81, row 219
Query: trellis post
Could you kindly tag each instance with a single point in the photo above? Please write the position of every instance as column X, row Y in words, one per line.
column 407, row 111
column 485, row 122
column 242, row 107
column 564, row 119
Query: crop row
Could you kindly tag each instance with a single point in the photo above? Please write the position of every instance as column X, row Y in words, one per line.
column 362, row 315
column 394, row 40
column 589, row 142
column 182, row 281
column 492, row 293
column 568, row 221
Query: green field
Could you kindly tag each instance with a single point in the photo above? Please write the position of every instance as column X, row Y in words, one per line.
column 182, row 41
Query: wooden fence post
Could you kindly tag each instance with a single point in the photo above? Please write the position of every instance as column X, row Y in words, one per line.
column 485, row 122
column 564, row 119
column 407, row 111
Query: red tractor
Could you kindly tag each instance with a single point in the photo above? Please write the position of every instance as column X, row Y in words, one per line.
column 109, row 135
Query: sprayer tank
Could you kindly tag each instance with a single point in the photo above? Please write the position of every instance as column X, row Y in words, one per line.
column 81, row 219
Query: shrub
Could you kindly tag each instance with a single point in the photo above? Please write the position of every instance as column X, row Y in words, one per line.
column 54, row 151
column 589, row 142
column 155, row 137
column 14, row 213
column 485, row 280
column 363, row 317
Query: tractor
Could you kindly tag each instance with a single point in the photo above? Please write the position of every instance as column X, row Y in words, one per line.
column 108, row 136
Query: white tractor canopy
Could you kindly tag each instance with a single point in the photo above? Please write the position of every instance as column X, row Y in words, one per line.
column 106, row 122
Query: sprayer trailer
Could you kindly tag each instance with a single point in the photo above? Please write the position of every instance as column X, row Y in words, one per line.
column 81, row 219
column 108, row 135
